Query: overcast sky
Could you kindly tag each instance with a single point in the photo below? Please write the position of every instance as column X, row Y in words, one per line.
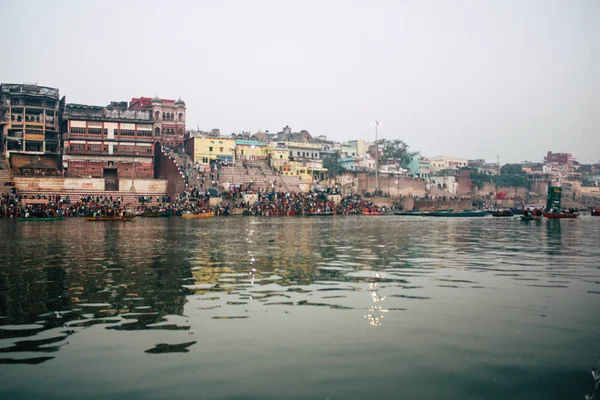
column 474, row 79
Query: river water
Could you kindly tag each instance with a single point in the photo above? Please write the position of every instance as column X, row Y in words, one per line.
column 344, row 307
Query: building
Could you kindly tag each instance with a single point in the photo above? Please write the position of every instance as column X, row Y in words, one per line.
column 361, row 148
column 168, row 119
column 246, row 149
column 441, row 163
column 560, row 163
column 417, row 166
column 30, row 128
column 209, row 149
column 110, row 142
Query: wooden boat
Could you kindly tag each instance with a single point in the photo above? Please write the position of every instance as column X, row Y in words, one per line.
column 561, row 215
column 531, row 217
column 154, row 214
column 371, row 213
column 458, row 214
column 42, row 219
column 124, row 218
column 503, row 213
column 319, row 214
column 409, row 212
column 596, row 212
column 195, row 216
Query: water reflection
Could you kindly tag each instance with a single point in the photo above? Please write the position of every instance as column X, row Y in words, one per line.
column 173, row 280
column 376, row 311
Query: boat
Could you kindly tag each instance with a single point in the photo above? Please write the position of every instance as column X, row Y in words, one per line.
column 503, row 213
column 155, row 214
column 554, row 208
column 409, row 212
column 561, row 215
column 531, row 217
column 123, row 218
column 42, row 219
column 371, row 213
column 458, row 214
column 319, row 214
column 596, row 212
column 196, row 216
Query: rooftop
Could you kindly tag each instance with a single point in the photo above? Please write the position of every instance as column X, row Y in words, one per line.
column 23, row 88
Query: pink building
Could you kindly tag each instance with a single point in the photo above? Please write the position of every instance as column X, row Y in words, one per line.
column 168, row 118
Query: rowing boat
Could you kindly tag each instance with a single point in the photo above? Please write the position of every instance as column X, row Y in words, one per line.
column 124, row 218
column 42, row 219
column 201, row 215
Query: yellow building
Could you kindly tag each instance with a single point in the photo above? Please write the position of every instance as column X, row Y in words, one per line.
column 278, row 156
column 207, row 149
column 250, row 150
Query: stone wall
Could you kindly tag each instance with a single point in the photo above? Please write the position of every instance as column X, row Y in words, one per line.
column 168, row 168
column 394, row 186
column 52, row 185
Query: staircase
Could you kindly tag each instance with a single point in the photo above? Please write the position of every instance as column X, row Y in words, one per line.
column 5, row 175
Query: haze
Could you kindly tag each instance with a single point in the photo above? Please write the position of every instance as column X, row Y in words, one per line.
column 472, row 79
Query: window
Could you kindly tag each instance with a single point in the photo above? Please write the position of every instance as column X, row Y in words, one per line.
column 127, row 132
column 157, row 115
column 180, row 117
column 77, row 147
column 221, row 149
column 210, row 149
column 94, row 131
column 97, row 147
column 157, row 130
column 144, row 133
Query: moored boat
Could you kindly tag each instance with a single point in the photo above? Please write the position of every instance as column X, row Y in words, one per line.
column 319, row 214
column 503, row 213
column 196, row 216
column 155, row 214
column 409, row 212
column 124, row 218
column 561, row 215
column 596, row 212
column 42, row 219
column 458, row 214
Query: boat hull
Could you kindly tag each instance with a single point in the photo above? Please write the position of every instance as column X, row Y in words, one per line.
column 32, row 219
column 596, row 213
column 458, row 214
column 560, row 215
column 124, row 219
column 197, row 216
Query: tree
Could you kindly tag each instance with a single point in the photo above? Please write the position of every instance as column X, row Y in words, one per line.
column 393, row 149
column 512, row 169
column 331, row 162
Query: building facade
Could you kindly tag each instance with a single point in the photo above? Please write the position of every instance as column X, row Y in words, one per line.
column 168, row 119
column 30, row 128
column 110, row 142
column 203, row 150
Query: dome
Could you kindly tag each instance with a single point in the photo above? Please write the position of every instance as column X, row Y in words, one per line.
column 156, row 100
column 180, row 102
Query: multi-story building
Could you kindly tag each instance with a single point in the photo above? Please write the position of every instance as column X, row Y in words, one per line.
column 560, row 163
column 110, row 142
column 30, row 127
column 206, row 149
column 168, row 118
column 441, row 163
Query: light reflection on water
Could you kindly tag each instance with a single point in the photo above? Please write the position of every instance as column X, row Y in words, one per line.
column 344, row 307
